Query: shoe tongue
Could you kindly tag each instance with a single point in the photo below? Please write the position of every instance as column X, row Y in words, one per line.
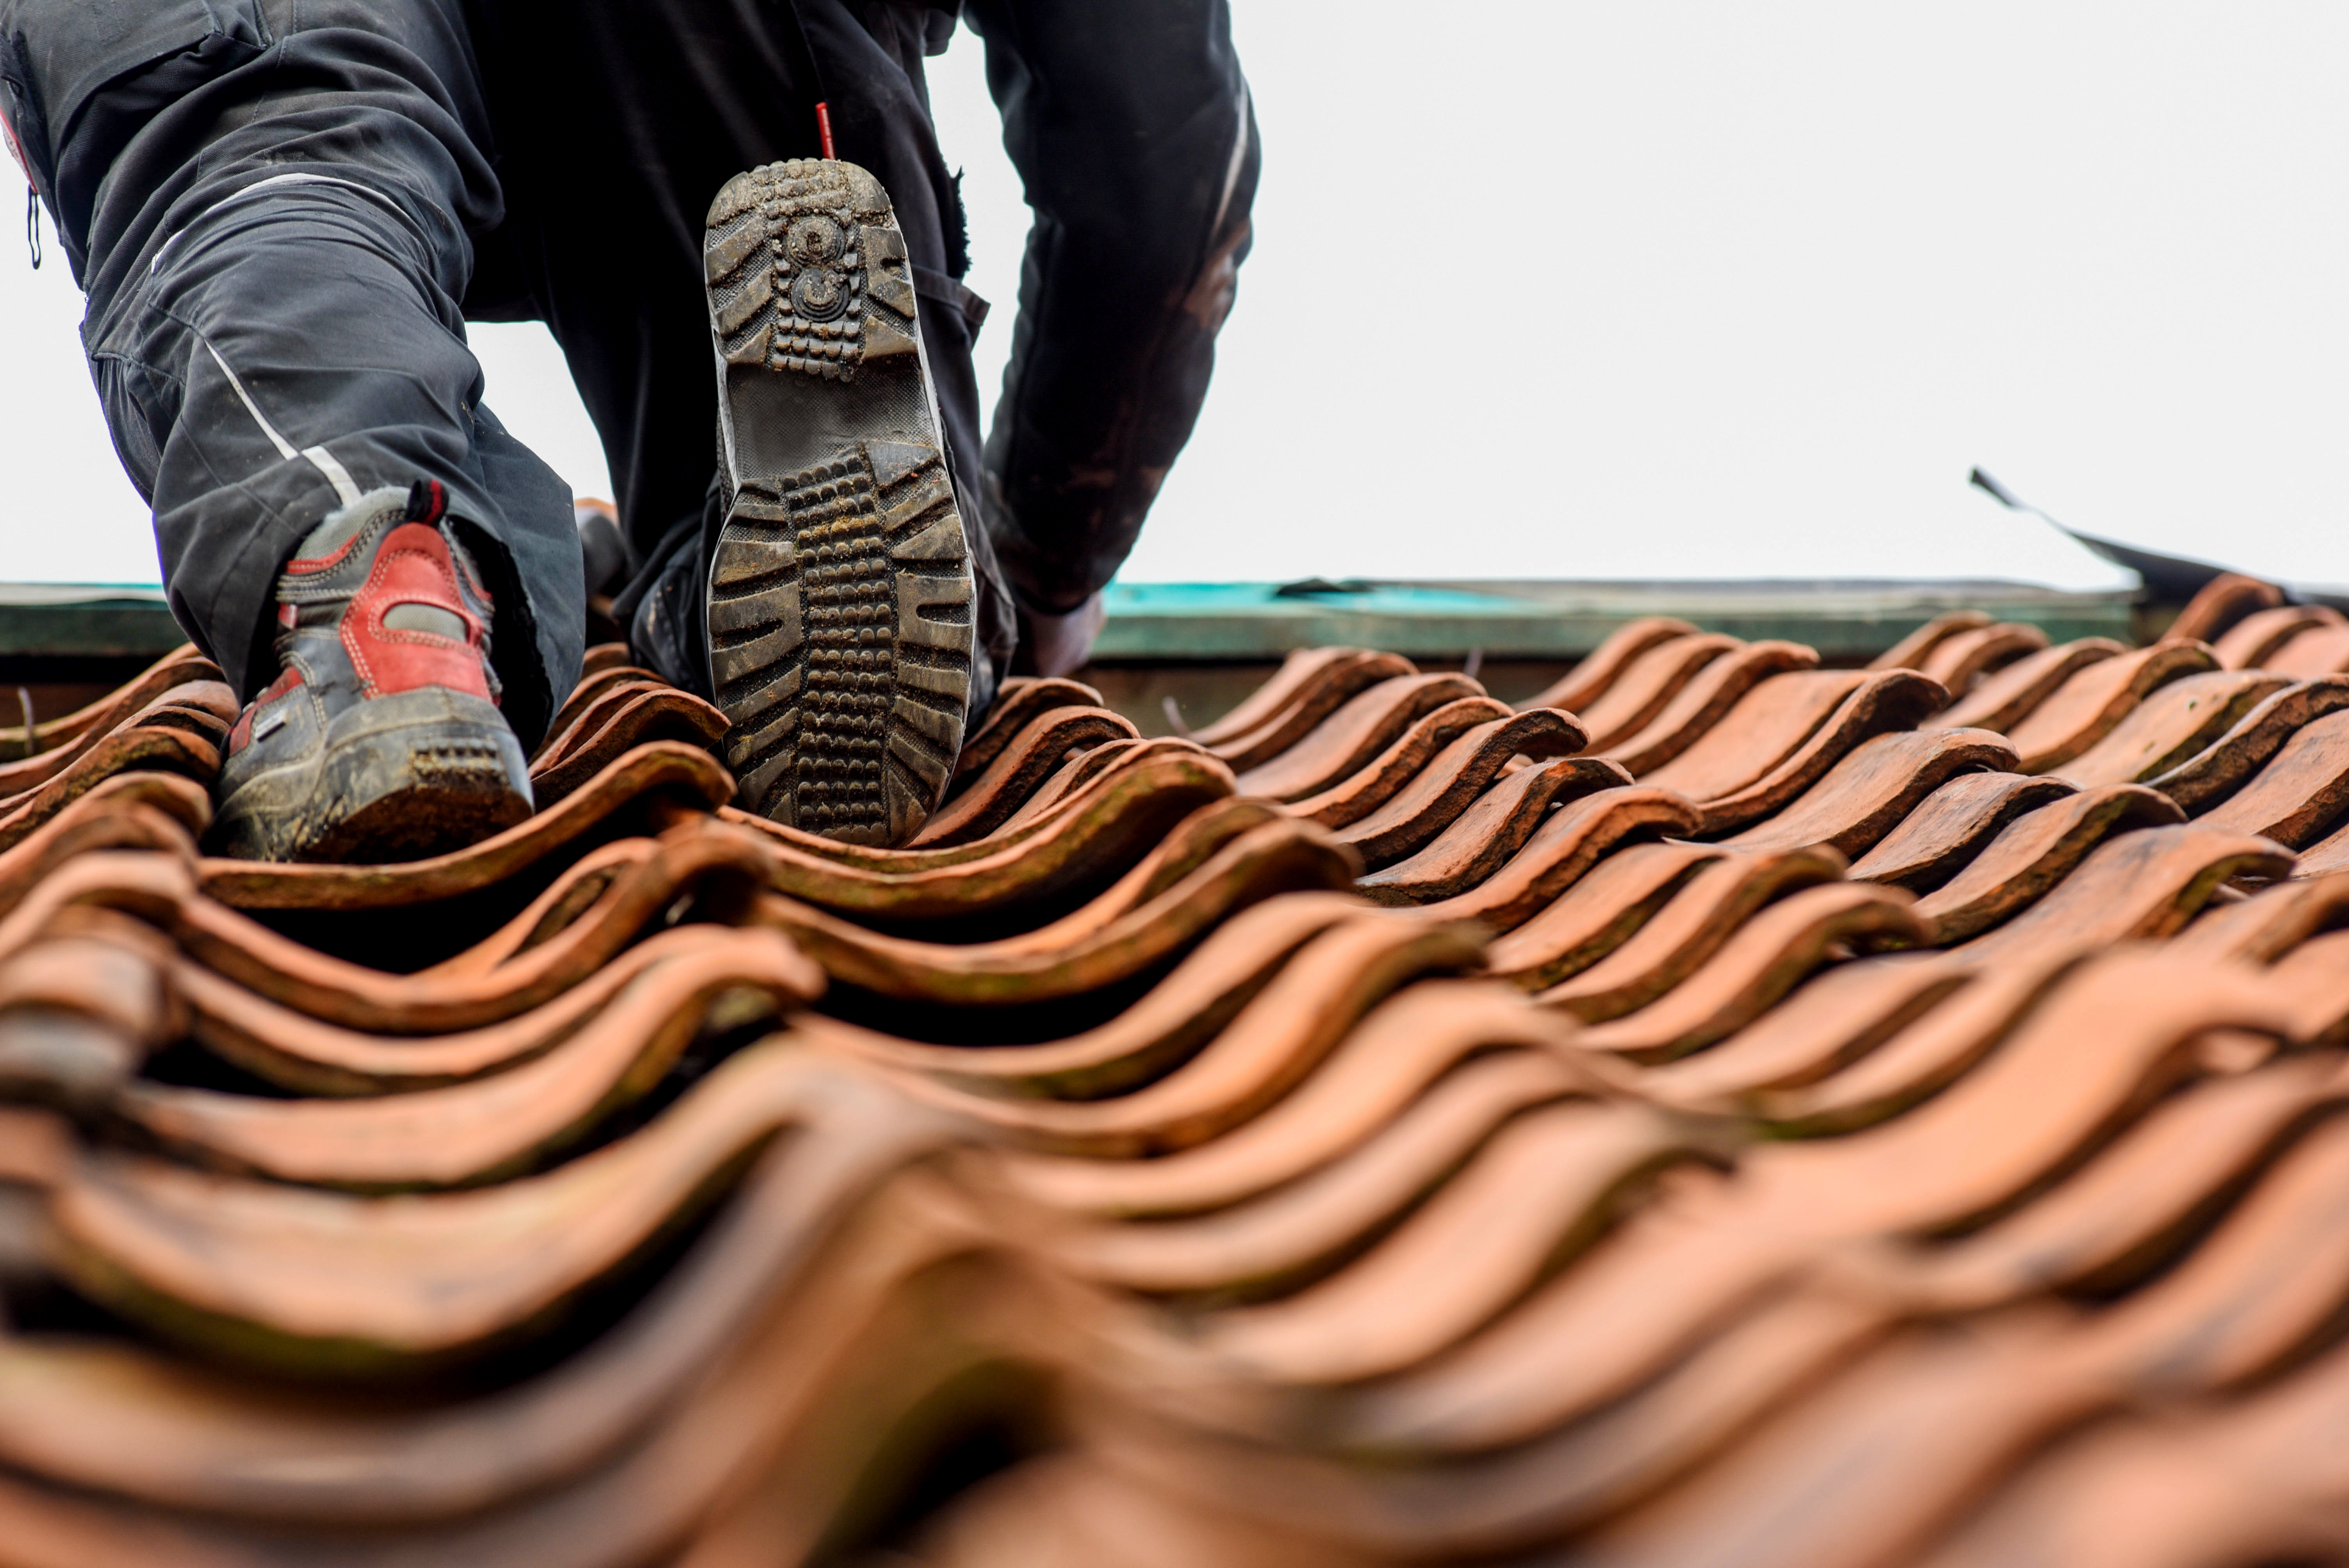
column 343, row 524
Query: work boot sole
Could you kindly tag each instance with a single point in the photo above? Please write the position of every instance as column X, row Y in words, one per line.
column 840, row 593
column 399, row 778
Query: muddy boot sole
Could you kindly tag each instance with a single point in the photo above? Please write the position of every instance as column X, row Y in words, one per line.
column 399, row 778
column 840, row 594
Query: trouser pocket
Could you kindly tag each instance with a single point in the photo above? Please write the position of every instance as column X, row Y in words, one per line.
column 22, row 124
column 83, row 79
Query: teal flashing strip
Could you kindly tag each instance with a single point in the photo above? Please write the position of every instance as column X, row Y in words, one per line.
column 1186, row 622
column 79, row 620
column 1156, row 622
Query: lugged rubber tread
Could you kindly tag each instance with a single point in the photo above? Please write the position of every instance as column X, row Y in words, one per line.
column 399, row 776
column 839, row 612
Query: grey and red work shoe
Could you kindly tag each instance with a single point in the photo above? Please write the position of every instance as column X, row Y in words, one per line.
column 380, row 738
column 840, row 591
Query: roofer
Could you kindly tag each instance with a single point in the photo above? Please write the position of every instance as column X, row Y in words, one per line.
column 283, row 211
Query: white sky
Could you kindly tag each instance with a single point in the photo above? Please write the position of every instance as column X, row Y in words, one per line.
column 1560, row 289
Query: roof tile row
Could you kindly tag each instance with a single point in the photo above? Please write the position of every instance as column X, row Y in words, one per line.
column 1728, row 1111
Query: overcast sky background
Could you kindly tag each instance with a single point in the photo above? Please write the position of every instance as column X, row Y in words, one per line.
column 1562, row 289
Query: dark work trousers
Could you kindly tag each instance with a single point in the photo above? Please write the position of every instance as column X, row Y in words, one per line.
column 284, row 211
column 1131, row 127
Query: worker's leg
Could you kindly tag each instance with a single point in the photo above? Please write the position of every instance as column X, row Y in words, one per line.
column 1129, row 124
column 272, row 206
column 617, row 125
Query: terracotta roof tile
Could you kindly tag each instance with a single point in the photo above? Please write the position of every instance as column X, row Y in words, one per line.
column 651, row 1183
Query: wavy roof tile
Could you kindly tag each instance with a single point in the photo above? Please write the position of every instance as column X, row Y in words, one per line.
column 1767, row 1114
